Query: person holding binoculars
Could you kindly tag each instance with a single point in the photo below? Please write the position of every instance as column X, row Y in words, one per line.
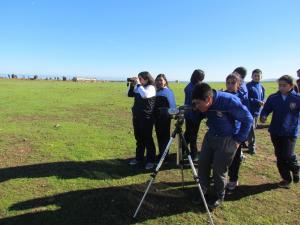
column 143, row 91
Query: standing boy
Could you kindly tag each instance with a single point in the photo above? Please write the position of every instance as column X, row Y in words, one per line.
column 285, row 106
column 256, row 95
column 221, row 140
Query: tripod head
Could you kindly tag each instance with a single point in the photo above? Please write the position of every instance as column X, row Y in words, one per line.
column 178, row 114
column 175, row 113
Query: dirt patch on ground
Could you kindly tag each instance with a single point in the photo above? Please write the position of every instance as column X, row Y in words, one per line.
column 21, row 150
column 18, row 150
column 30, row 118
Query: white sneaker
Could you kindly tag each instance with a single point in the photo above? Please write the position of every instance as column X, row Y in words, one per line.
column 232, row 185
column 133, row 162
column 149, row 166
column 243, row 157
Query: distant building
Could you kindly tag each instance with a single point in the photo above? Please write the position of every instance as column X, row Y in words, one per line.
column 88, row 79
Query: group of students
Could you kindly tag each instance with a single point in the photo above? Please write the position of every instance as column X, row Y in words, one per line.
column 232, row 117
column 149, row 96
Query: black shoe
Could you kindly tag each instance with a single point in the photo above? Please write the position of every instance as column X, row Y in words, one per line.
column 284, row 184
column 134, row 162
column 251, row 151
column 296, row 177
column 212, row 205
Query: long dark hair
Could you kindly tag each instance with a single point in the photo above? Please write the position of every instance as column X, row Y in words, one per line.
column 164, row 77
column 197, row 76
column 147, row 76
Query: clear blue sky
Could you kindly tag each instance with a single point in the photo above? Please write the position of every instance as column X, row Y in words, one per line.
column 115, row 39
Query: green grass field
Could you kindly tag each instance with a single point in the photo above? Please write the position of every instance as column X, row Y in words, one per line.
column 64, row 152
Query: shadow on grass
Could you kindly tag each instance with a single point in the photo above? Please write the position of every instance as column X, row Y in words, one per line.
column 116, row 205
column 247, row 190
column 112, row 205
column 99, row 169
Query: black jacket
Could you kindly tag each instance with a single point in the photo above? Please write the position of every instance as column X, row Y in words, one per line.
column 144, row 100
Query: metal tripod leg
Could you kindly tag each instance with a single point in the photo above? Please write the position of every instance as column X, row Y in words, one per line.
column 179, row 159
column 200, row 189
column 153, row 175
column 196, row 178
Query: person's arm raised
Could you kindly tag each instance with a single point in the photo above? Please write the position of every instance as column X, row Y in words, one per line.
column 146, row 92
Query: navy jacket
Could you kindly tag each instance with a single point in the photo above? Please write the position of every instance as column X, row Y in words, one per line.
column 222, row 115
column 285, row 118
column 243, row 98
column 244, row 101
column 256, row 94
column 192, row 115
column 243, row 94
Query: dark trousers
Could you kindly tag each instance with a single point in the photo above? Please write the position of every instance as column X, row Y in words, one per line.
column 162, row 129
column 251, row 137
column 190, row 135
column 234, row 168
column 143, row 135
column 286, row 157
column 217, row 152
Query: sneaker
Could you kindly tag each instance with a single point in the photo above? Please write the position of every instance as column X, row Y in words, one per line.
column 243, row 157
column 231, row 186
column 296, row 177
column 284, row 184
column 134, row 162
column 212, row 205
column 149, row 166
column 195, row 159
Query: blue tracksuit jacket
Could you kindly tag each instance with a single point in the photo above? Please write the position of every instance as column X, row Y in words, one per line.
column 285, row 118
column 256, row 94
column 225, row 110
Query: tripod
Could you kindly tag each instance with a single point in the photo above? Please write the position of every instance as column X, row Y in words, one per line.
column 177, row 130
